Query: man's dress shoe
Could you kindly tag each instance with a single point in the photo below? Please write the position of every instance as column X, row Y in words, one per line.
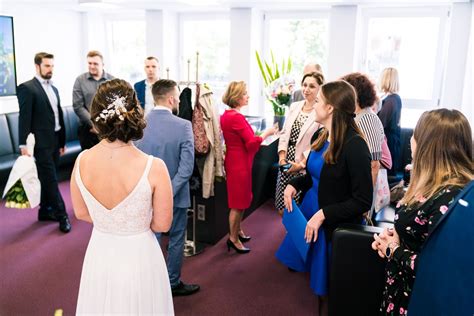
column 64, row 224
column 183, row 289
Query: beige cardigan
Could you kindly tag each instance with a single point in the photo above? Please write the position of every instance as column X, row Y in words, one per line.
column 211, row 165
column 304, row 138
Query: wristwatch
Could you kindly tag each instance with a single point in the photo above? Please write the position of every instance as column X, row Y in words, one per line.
column 391, row 249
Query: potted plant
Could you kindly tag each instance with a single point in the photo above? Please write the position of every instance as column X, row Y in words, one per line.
column 278, row 85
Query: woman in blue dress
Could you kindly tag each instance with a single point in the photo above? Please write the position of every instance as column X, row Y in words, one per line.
column 338, row 185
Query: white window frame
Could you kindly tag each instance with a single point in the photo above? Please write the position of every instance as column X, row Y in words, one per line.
column 118, row 17
column 441, row 12
column 184, row 17
column 322, row 13
column 294, row 15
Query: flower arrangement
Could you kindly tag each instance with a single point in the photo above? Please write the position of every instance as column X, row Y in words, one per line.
column 278, row 83
column 16, row 197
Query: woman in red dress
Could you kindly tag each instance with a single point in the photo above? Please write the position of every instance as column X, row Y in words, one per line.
column 241, row 146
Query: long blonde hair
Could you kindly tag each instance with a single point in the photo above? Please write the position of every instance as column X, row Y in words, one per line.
column 443, row 154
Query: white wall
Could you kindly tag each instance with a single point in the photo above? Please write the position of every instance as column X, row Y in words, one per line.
column 456, row 61
column 342, row 40
column 55, row 31
column 468, row 97
column 162, row 40
column 245, row 38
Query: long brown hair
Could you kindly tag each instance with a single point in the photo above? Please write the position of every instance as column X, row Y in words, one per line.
column 443, row 154
column 342, row 96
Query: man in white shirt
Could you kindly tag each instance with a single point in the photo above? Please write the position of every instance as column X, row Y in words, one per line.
column 41, row 115
column 143, row 88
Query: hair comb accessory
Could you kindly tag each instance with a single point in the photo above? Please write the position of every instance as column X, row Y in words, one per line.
column 116, row 108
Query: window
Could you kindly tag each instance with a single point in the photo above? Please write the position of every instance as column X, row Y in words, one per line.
column 210, row 36
column 411, row 41
column 127, row 49
column 301, row 36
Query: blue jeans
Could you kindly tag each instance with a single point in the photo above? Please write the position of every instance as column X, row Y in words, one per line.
column 176, row 245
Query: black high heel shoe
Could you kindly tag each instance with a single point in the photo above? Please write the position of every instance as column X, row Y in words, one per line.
column 230, row 244
column 244, row 238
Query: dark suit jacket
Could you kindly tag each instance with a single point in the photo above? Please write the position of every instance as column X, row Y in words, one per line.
column 37, row 116
column 140, row 88
column 345, row 188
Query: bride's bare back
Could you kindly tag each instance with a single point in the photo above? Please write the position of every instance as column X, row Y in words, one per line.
column 111, row 171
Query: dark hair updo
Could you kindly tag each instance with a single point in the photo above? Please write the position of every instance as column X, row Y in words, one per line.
column 116, row 112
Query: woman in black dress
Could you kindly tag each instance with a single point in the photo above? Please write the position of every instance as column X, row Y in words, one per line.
column 390, row 114
column 442, row 166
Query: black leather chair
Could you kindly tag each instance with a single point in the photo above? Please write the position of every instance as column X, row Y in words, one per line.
column 357, row 273
column 10, row 151
column 8, row 154
column 73, row 147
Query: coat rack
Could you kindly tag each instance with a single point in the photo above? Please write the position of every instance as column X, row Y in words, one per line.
column 187, row 82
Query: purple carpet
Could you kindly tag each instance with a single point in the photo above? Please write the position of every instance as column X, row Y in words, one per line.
column 40, row 269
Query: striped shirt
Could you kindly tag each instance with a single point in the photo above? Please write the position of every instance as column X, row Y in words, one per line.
column 372, row 129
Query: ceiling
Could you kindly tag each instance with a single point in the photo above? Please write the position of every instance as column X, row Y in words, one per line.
column 209, row 5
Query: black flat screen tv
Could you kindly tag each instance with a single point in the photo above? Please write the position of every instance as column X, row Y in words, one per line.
column 7, row 57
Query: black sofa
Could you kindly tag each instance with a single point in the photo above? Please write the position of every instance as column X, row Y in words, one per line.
column 10, row 151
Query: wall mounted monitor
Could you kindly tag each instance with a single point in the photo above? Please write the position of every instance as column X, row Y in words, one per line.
column 7, row 57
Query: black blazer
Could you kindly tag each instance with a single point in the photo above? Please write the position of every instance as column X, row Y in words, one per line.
column 37, row 116
column 345, row 188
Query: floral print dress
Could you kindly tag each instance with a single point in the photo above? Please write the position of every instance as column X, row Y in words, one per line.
column 413, row 224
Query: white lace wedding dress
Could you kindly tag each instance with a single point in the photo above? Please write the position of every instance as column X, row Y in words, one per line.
column 124, row 271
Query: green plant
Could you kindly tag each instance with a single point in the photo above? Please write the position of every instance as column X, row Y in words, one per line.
column 271, row 71
column 278, row 84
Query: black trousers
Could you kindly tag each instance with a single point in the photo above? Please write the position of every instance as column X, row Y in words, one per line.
column 47, row 160
column 87, row 139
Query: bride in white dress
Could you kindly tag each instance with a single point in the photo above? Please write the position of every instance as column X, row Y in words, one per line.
column 126, row 195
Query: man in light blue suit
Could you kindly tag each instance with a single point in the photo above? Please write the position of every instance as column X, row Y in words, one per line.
column 171, row 138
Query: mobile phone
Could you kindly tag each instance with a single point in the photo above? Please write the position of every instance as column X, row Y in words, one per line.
column 285, row 167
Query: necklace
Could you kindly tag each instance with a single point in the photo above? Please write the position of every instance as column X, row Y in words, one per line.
column 112, row 148
column 304, row 109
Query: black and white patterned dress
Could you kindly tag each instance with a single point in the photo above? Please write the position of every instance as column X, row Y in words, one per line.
column 284, row 177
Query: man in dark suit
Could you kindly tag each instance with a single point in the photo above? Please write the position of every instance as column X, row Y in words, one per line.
column 41, row 114
column 143, row 88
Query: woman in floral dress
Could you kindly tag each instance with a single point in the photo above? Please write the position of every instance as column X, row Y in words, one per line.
column 442, row 166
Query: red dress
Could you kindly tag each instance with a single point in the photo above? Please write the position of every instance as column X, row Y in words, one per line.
column 241, row 147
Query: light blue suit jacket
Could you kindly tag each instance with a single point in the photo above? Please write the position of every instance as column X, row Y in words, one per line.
column 170, row 138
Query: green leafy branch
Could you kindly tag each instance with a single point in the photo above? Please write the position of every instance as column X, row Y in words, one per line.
column 271, row 72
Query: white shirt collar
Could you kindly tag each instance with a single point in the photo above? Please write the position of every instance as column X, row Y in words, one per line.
column 43, row 81
column 161, row 107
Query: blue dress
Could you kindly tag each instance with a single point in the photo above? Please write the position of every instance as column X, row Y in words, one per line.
column 316, row 263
